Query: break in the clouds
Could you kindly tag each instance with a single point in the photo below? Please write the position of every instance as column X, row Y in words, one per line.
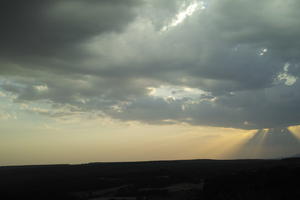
column 229, row 63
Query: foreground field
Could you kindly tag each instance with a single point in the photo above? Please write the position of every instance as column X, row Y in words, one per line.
column 191, row 179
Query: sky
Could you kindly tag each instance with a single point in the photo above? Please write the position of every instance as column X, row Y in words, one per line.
column 130, row 80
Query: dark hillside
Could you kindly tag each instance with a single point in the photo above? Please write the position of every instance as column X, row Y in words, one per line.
column 192, row 179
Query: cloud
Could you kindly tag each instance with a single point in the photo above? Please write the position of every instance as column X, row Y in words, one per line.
column 50, row 27
column 103, row 56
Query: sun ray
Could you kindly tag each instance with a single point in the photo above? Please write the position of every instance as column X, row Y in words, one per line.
column 225, row 145
column 295, row 130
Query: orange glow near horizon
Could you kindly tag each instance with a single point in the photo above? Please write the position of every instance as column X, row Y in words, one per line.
column 114, row 142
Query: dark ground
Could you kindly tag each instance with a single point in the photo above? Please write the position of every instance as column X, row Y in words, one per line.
column 192, row 179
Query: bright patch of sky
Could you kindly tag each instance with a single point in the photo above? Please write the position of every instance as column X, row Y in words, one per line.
column 288, row 79
column 182, row 15
column 263, row 51
column 41, row 88
column 33, row 112
column 176, row 92
column 8, row 109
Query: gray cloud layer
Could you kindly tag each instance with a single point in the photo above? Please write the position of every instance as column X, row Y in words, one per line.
column 103, row 56
column 47, row 28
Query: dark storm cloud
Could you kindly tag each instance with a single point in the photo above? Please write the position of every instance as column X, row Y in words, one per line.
column 50, row 27
column 105, row 55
